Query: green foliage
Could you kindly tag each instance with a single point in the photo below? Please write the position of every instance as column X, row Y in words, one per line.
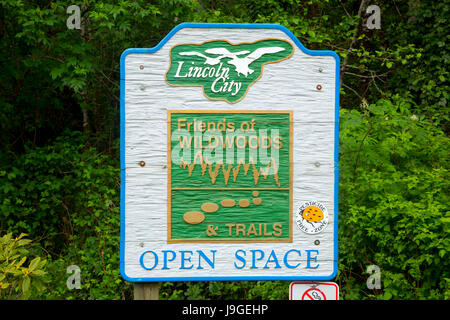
column 62, row 187
column 66, row 195
column 425, row 75
column 228, row 290
column 394, row 211
column 18, row 281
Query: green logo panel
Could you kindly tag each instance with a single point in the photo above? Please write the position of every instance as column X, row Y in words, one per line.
column 229, row 176
column 224, row 70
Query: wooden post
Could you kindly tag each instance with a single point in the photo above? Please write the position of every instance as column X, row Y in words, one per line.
column 146, row 291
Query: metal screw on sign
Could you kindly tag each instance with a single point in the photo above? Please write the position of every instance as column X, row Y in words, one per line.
column 142, row 163
column 319, row 87
column 141, row 67
column 320, row 69
column 317, row 242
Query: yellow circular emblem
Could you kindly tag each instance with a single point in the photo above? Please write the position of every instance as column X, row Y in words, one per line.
column 313, row 214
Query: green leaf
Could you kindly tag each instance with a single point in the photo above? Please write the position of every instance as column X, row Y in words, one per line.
column 26, row 284
column 39, row 273
column 20, row 263
column 34, row 263
column 387, row 295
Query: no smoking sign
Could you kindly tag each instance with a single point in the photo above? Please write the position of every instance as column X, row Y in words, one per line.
column 313, row 291
column 313, row 294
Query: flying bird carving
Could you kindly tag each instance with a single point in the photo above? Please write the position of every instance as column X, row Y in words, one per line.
column 209, row 60
column 241, row 64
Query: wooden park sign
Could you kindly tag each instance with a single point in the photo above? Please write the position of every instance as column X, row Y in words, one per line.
column 229, row 166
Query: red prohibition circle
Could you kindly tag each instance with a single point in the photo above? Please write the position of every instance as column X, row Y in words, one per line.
column 309, row 293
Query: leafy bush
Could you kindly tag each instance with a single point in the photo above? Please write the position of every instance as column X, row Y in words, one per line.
column 18, row 281
column 394, row 202
column 65, row 196
column 225, row 290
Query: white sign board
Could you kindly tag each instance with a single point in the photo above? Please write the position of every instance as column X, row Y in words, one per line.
column 313, row 291
column 229, row 157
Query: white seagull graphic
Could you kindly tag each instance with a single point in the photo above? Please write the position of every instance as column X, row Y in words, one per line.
column 241, row 64
column 212, row 61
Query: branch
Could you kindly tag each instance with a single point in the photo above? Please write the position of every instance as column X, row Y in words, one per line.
column 359, row 151
column 342, row 5
column 355, row 36
column 354, row 91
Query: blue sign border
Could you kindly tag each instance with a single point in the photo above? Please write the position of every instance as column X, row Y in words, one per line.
column 122, row 151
